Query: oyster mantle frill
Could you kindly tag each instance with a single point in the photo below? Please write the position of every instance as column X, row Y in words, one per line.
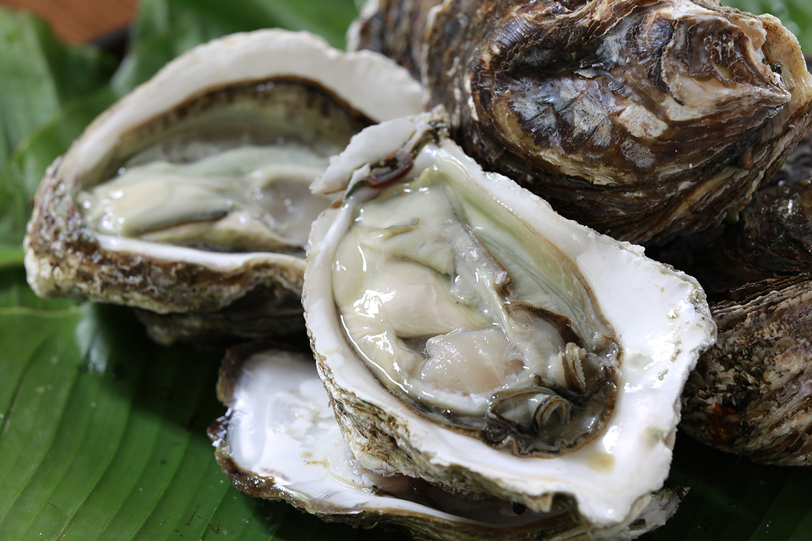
column 460, row 272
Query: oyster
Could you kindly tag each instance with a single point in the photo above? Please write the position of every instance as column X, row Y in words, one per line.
column 750, row 393
column 190, row 194
column 469, row 336
column 279, row 440
column 640, row 119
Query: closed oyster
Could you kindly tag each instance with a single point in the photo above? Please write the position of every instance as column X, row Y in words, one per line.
column 190, row 193
column 640, row 119
column 750, row 394
column 470, row 336
column 280, row 441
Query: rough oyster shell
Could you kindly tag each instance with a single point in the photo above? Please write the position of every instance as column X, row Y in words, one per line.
column 639, row 119
column 659, row 320
column 279, row 440
column 750, row 394
column 258, row 89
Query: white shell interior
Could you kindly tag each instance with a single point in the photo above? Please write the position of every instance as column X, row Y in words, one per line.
column 281, row 427
column 367, row 81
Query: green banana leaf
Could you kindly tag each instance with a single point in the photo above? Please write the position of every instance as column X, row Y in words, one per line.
column 103, row 433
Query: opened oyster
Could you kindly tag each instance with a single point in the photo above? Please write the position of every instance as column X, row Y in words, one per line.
column 639, row 119
column 279, row 440
column 190, row 194
column 469, row 336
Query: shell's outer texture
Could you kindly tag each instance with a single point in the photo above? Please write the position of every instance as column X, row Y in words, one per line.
column 640, row 119
column 396, row 29
column 772, row 237
column 659, row 318
column 750, row 393
column 254, row 316
column 316, row 94
column 280, row 441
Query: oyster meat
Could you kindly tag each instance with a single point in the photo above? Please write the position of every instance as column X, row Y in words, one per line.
column 279, row 440
column 469, row 336
column 189, row 197
column 640, row 119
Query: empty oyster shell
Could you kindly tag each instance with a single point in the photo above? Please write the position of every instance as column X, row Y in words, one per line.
column 191, row 191
column 280, row 441
column 639, row 119
column 470, row 336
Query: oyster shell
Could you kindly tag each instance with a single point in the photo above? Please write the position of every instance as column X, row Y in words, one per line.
column 280, row 441
column 750, row 393
column 640, row 119
column 534, row 359
column 190, row 193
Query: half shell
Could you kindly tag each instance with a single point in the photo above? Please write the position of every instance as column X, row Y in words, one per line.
column 657, row 320
column 136, row 211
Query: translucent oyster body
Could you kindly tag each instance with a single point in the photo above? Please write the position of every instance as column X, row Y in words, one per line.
column 640, row 119
column 470, row 336
column 191, row 192
column 280, row 440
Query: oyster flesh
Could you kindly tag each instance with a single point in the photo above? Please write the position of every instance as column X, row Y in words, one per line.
column 190, row 194
column 279, row 440
column 469, row 336
column 640, row 119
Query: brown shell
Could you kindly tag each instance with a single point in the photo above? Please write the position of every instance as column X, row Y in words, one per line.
column 751, row 393
column 262, row 314
column 585, row 102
